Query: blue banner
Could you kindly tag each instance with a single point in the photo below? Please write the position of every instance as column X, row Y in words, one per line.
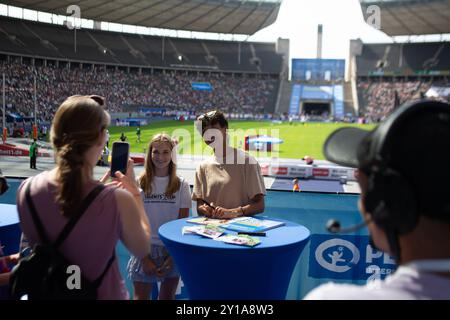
column 294, row 106
column 317, row 93
column 347, row 258
column 318, row 69
column 150, row 110
column 339, row 101
column 201, row 86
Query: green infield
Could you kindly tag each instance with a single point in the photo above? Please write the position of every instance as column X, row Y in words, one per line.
column 299, row 139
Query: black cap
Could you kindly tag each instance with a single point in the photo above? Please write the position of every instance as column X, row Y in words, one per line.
column 342, row 145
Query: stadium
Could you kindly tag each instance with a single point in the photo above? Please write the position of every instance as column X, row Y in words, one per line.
column 158, row 70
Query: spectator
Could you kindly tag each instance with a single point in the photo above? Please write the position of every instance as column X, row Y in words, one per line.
column 380, row 98
column 44, row 132
column 107, row 138
column 33, row 152
column 78, row 134
column 406, row 210
column 295, row 185
column 171, row 91
column 138, row 134
column 6, row 262
column 308, row 159
column 166, row 197
column 231, row 180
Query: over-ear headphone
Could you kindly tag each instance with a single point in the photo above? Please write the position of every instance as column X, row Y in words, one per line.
column 390, row 196
column 390, row 200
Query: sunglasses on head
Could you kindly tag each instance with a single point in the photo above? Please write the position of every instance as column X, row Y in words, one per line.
column 207, row 115
column 99, row 99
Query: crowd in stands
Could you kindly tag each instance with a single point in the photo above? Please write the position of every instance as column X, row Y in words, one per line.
column 379, row 99
column 239, row 97
column 170, row 90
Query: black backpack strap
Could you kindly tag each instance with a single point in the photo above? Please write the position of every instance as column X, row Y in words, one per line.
column 69, row 226
column 37, row 222
column 99, row 280
column 74, row 219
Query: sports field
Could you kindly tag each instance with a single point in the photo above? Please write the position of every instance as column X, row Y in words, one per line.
column 299, row 139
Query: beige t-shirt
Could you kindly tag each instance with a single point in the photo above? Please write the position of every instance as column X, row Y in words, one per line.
column 231, row 182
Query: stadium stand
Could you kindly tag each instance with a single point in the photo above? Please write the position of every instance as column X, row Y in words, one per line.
column 57, row 42
column 403, row 59
column 410, row 17
column 171, row 90
column 133, row 70
column 379, row 97
column 391, row 74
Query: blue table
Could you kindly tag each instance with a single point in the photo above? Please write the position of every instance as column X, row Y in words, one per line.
column 216, row 270
column 9, row 229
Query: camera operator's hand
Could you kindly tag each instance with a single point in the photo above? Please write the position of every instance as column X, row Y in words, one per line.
column 12, row 259
column 124, row 181
column 130, row 170
column 105, row 177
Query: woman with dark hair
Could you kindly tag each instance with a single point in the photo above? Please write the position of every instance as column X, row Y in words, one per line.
column 78, row 135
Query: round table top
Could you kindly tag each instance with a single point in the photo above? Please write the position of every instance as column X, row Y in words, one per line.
column 287, row 234
column 8, row 215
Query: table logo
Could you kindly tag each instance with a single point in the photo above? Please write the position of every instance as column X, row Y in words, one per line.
column 330, row 255
column 347, row 257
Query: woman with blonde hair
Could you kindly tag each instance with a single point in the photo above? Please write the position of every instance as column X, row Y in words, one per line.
column 78, row 135
column 166, row 197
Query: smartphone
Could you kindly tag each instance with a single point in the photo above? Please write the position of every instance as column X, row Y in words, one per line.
column 119, row 157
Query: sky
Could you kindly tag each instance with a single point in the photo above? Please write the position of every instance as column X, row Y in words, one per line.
column 342, row 20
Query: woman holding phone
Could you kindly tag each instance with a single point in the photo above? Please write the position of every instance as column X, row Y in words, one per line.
column 78, row 135
column 166, row 197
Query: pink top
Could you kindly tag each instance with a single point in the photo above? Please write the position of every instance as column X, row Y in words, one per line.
column 93, row 239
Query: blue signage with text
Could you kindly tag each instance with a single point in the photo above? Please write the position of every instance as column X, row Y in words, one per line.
column 294, row 105
column 317, row 92
column 318, row 69
column 347, row 257
column 201, row 86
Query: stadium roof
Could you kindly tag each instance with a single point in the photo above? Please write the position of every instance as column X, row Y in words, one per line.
column 411, row 17
column 220, row 16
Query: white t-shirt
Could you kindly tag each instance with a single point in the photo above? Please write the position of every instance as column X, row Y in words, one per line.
column 161, row 209
column 405, row 283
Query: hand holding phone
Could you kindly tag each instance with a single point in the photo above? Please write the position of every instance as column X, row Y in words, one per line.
column 119, row 157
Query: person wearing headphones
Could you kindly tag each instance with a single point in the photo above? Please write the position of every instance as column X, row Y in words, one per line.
column 403, row 172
